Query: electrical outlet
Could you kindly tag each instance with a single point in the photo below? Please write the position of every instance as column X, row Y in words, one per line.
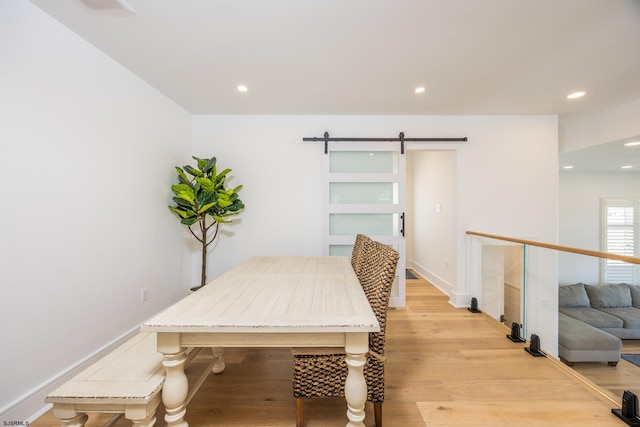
column 144, row 294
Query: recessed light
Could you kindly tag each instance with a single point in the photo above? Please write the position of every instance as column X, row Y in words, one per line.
column 627, row 167
column 567, row 167
column 420, row 89
column 632, row 144
column 576, row 95
column 242, row 88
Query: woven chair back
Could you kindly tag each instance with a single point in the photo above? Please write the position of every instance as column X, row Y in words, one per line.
column 378, row 270
column 357, row 255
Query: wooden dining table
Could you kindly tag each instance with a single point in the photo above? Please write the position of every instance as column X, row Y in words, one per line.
column 269, row 301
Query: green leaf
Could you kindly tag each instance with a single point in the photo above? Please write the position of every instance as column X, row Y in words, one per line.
column 238, row 188
column 220, row 219
column 206, row 184
column 183, row 203
column 224, row 203
column 210, row 164
column 189, row 221
column 180, row 173
column 187, row 197
column 206, row 207
column 221, row 177
column 202, row 163
column 204, row 198
column 182, row 213
column 193, row 171
column 182, row 188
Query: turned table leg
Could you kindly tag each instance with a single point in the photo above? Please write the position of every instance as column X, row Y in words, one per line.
column 176, row 385
column 218, row 356
column 355, row 387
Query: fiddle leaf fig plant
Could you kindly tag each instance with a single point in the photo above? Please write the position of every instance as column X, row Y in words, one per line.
column 202, row 202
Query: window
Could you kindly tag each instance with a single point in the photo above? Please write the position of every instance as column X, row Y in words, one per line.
column 620, row 236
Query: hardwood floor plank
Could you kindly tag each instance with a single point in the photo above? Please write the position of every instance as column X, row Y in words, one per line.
column 543, row 413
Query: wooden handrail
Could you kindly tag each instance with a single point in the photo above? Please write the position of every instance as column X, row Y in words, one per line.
column 630, row 259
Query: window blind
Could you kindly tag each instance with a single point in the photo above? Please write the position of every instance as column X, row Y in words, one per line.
column 620, row 237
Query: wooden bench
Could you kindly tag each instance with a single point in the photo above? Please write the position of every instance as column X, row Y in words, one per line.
column 126, row 381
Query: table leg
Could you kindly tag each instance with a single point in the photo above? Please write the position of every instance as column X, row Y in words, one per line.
column 355, row 387
column 175, row 389
column 218, row 356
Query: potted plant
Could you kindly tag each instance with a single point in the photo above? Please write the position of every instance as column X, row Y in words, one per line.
column 202, row 202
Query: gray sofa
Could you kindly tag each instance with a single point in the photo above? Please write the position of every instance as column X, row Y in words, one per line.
column 593, row 319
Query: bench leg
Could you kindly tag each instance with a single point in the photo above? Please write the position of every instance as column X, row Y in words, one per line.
column 66, row 413
column 143, row 415
column 218, row 356
column 77, row 421
column 149, row 421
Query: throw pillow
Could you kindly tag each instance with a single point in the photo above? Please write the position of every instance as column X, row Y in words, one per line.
column 609, row 296
column 635, row 295
column 573, row 296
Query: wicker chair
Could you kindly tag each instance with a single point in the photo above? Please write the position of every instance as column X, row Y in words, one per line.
column 357, row 255
column 324, row 374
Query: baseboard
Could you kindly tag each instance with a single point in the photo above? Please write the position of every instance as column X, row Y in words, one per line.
column 30, row 406
column 439, row 283
column 459, row 300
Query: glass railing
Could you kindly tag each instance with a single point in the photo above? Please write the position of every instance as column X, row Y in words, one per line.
column 517, row 280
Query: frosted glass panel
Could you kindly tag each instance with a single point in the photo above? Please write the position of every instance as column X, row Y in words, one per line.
column 369, row 224
column 341, row 250
column 363, row 192
column 364, row 162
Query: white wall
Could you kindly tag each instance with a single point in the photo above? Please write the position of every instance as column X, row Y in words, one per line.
column 87, row 152
column 506, row 180
column 579, row 213
column 431, row 249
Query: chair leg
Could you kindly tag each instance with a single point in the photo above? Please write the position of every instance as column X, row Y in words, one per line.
column 299, row 411
column 377, row 411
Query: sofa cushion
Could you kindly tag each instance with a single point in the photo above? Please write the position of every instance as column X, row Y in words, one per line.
column 576, row 335
column 573, row 296
column 593, row 317
column 629, row 315
column 609, row 296
column 635, row 295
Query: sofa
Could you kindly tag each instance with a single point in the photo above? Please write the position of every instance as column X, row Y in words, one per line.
column 593, row 319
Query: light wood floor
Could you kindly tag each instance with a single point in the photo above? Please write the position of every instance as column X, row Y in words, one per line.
column 445, row 367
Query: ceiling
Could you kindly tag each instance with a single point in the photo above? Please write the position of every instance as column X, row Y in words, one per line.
column 336, row 57
column 367, row 56
column 606, row 157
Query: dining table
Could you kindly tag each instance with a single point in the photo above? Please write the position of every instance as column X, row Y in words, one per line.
column 269, row 301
